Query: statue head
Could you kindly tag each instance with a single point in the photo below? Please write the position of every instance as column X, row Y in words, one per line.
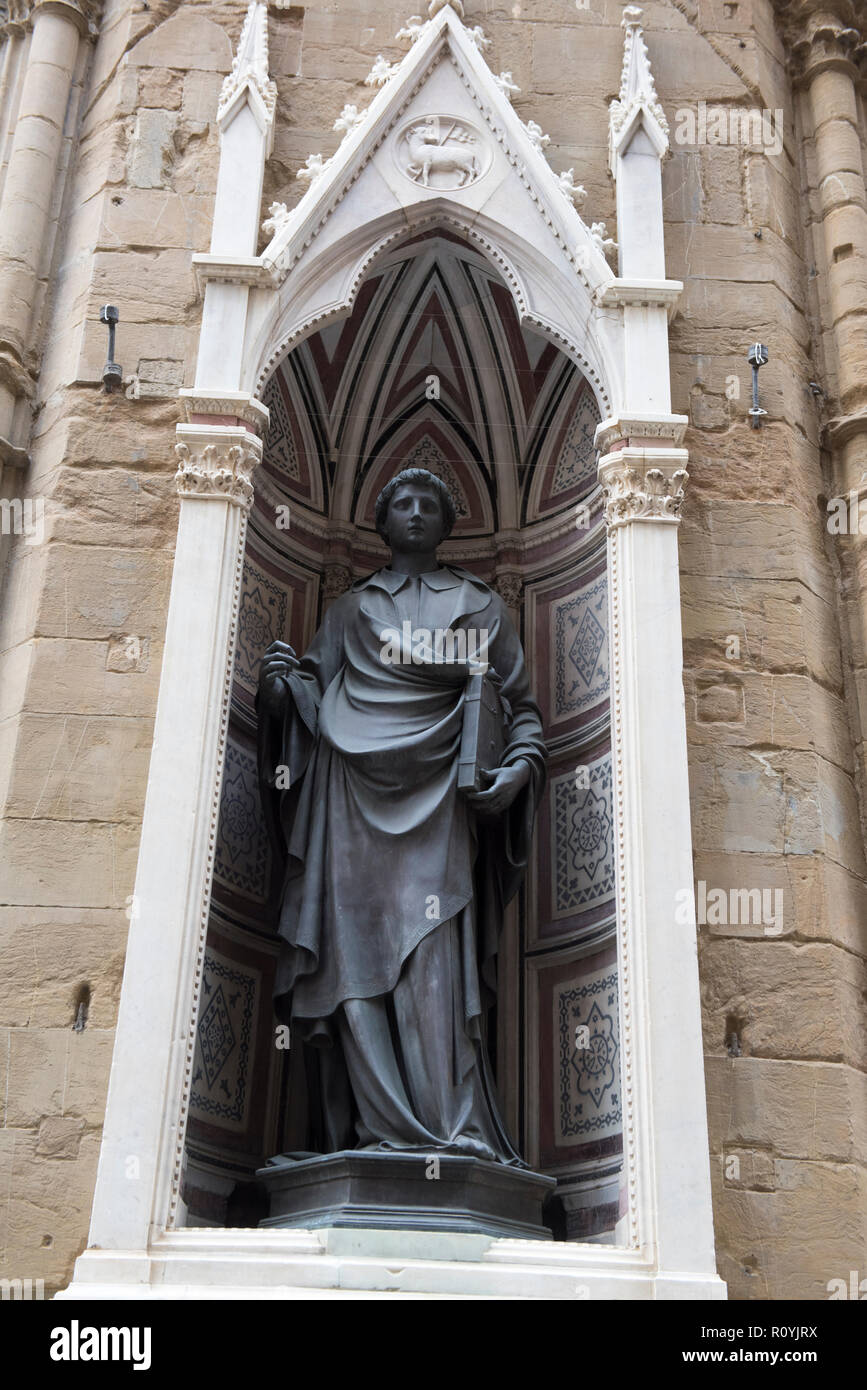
column 414, row 483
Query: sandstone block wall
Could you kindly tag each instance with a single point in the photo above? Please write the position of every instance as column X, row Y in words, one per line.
column 773, row 718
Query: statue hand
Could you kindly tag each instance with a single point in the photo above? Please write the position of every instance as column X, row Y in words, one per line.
column 501, row 788
column 278, row 661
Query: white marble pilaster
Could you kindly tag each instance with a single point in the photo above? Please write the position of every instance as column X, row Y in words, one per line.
column 139, row 1166
column 138, row 1183
column 665, row 1119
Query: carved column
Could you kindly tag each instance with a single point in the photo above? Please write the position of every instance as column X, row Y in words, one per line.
column 643, row 474
column 826, row 69
column 826, row 53
column 139, row 1166
column 25, row 209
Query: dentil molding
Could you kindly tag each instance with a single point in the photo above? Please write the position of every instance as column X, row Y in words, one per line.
column 628, row 427
column 239, row 404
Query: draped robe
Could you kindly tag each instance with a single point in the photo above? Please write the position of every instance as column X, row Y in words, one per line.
column 382, row 852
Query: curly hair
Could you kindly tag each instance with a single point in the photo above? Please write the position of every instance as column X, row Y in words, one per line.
column 426, row 479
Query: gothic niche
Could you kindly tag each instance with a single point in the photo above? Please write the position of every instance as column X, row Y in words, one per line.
column 432, row 368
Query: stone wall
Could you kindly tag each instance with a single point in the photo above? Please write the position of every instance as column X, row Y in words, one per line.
column 773, row 720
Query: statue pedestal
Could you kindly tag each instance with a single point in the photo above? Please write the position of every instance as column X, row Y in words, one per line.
column 408, row 1192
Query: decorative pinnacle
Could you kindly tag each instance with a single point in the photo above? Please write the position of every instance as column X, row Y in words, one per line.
column 637, row 88
column 250, row 65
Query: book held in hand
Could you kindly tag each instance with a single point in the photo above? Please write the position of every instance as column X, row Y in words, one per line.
column 483, row 739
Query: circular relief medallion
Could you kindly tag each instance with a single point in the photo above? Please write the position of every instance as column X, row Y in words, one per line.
column 441, row 152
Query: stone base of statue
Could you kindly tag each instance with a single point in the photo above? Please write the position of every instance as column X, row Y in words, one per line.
column 416, row 1191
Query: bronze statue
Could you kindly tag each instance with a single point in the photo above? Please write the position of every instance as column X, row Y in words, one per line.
column 395, row 882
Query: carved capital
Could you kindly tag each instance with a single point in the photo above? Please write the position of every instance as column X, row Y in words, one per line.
column 84, row 14
column 14, row 17
column 643, row 485
column 822, row 34
column 217, row 462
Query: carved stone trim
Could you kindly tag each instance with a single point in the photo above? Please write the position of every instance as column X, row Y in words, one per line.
column 204, row 912
column 626, row 427
column 217, row 462
column 656, row 293
column 627, row 1022
column 238, row 403
column 230, row 270
column 643, row 485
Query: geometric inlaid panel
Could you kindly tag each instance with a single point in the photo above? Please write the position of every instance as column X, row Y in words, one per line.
column 426, row 453
column 280, row 442
column 261, row 621
column 575, row 1115
column 225, row 1041
column 291, row 456
column 565, row 471
column 576, row 466
column 588, row 1077
column 427, row 442
column 581, row 669
column 582, row 864
column 242, row 859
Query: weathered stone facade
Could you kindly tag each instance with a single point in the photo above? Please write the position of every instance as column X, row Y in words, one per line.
column 112, row 192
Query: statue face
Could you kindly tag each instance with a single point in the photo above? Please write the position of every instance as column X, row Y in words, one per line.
column 415, row 520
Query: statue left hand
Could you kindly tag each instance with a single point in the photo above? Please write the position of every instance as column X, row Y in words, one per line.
column 501, row 789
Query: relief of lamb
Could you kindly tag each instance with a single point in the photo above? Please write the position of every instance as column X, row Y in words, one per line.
column 451, row 156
